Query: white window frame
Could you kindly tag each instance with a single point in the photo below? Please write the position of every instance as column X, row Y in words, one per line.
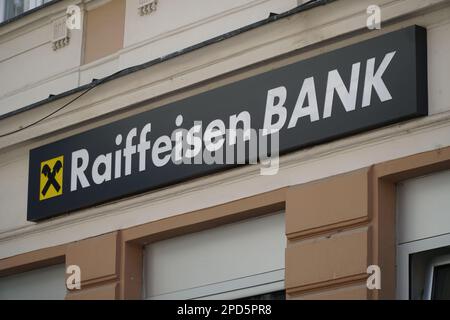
column 36, row 3
column 271, row 280
column 403, row 256
column 32, row 4
column 233, row 289
column 436, row 262
column 2, row 10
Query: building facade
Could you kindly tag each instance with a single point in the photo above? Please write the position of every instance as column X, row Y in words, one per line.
column 357, row 207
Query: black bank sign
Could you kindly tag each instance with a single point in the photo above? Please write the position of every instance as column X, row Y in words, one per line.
column 346, row 91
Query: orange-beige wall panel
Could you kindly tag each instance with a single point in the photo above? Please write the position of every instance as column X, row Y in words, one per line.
column 328, row 203
column 104, row 30
column 103, row 292
column 98, row 258
column 32, row 260
column 354, row 292
column 326, row 261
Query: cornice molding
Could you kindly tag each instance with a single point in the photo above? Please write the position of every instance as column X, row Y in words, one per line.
column 121, row 93
column 233, row 176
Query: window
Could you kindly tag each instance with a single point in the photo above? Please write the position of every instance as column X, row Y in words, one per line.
column 423, row 237
column 12, row 8
column 47, row 283
column 241, row 260
column 430, row 274
column 437, row 281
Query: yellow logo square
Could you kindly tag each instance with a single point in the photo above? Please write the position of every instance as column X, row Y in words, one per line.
column 51, row 182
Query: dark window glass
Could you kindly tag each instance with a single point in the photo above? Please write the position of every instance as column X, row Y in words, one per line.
column 276, row 295
column 441, row 283
column 13, row 8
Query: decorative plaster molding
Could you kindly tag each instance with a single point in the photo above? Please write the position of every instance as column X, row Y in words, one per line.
column 61, row 35
column 295, row 159
column 61, row 43
column 147, row 6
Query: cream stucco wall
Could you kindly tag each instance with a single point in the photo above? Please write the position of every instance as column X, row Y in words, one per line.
column 31, row 70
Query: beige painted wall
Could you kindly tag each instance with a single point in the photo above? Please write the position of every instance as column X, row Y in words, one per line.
column 17, row 235
column 115, row 38
column 170, row 28
column 26, row 43
column 327, row 262
column 30, row 70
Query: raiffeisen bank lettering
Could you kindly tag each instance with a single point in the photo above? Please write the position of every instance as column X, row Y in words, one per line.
column 367, row 85
column 185, row 145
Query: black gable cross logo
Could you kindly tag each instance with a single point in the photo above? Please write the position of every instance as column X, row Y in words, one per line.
column 51, row 178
